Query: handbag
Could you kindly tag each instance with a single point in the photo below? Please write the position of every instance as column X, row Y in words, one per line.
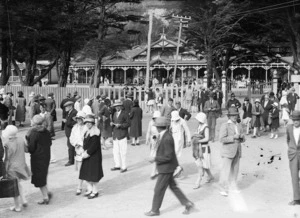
column 9, row 188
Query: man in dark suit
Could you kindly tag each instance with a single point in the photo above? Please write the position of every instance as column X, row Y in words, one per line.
column 64, row 113
column 120, row 124
column 166, row 163
column 211, row 108
column 70, row 122
column 232, row 101
column 292, row 98
column 219, row 98
column 204, row 97
column 293, row 136
column 183, row 113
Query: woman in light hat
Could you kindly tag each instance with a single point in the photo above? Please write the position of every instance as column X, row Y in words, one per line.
column 201, row 149
column 151, row 139
column 15, row 164
column 274, row 114
column 91, row 168
column 39, row 143
column 87, row 108
column 257, row 111
column 181, row 134
column 76, row 140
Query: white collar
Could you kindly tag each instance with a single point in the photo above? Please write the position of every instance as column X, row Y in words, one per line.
column 230, row 121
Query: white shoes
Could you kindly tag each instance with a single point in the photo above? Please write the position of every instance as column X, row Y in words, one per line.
column 276, row 136
column 272, row 136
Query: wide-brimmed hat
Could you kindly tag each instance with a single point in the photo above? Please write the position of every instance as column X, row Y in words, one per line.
column 175, row 115
column 162, row 122
column 295, row 115
column 118, row 103
column 129, row 95
column 10, row 132
column 37, row 119
column 201, row 117
column 68, row 103
column 77, row 97
column 80, row 115
column 10, row 93
column 156, row 114
column 233, row 111
column 89, row 119
column 246, row 99
column 51, row 94
column 275, row 104
column 257, row 100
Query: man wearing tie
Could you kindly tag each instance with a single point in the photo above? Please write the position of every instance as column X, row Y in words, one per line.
column 211, row 108
column 293, row 136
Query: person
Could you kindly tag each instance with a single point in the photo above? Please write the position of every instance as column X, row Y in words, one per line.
column 87, row 108
column 105, row 113
column 120, row 124
column 194, row 102
column 151, row 100
column 267, row 106
column 136, row 116
column 257, row 112
column 231, row 136
column 127, row 103
column 293, row 135
column 232, row 101
column 159, row 102
column 70, row 122
column 91, row 169
column 183, row 113
column 77, row 104
column 219, row 98
column 167, row 109
column 48, row 120
column 95, row 108
column 201, row 149
column 39, row 143
column 9, row 104
column 182, row 137
column 204, row 97
column 188, row 97
column 76, row 140
column 292, row 98
column 15, row 164
column 274, row 120
column 64, row 112
column 284, row 94
column 285, row 114
column 247, row 116
column 3, row 114
column 166, row 163
column 21, row 109
column 211, row 109
column 151, row 140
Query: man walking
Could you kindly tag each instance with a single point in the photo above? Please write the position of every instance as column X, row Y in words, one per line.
column 183, row 113
column 231, row 135
column 166, row 163
column 292, row 98
column 211, row 108
column 70, row 122
column 293, row 136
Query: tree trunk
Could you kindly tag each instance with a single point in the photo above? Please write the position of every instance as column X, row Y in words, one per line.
column 64, row 68
column 209, row 69
column 5, row 68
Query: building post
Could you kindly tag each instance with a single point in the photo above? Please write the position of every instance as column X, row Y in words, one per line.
column 205, row 80
column 125, row 69
column 275, row 82
column 295, row 79
column 149, row 50
column 224, row 87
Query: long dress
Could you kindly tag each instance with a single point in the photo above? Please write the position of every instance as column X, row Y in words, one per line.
column 283, row 99
column 91, row 168
column 21, row 109
column 16, row 166
column 39, row 142
column 151, row 138
column 206, row 161
column 136, row 116
column 104, row 122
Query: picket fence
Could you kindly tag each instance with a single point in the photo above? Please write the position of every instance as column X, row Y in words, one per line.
column 113, row 93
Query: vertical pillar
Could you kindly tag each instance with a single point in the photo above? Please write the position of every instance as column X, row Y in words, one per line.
column 232, row 69
column 249, row 73
column 125, row 69
column 289, row 72
column 205, row 80
column 168, row 73
column 181, row 77
column 112, row 76
column 224, row 87
column 266, row 68
column 297, row 87
column 275, row 82
column 86, row 77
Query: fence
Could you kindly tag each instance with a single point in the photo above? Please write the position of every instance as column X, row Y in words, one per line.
column 241, row 88
column 85, row 92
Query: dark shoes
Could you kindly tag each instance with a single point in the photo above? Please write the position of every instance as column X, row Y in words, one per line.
column 115, row 168
column 188, row 207
column 123, row 171
column 69, row 164
column 151, row 213
column 46, row 201
column 93, row 195
column 294, row 202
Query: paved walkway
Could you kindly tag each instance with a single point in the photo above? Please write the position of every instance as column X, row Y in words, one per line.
column 265, row 186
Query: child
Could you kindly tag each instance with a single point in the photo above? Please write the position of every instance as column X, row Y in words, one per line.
column 275, row 120
column 257, row 112
column 285, row 114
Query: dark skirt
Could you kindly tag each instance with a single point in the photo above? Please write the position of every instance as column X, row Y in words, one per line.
column 257, row 122
column 91, row 168
column 275, row 123
column 39, row 169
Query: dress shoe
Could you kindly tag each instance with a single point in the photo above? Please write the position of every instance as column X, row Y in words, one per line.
column 151, row 213
column 188, row 207
column 115, row 168
column 123, row 171
column 69, row 164
column 93, row 195
column 294, row 202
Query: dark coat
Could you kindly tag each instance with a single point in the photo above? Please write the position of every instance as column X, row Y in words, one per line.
column 136, row 116
column 275, row 118
column 267, row 109
column 247, row 113
column 2, row 170
column 3, row 112
column 234, row 101
column 122, row 131
column 70, row 122
column 64, row 113
column 292, row 100
column 50, row 107
column 104, row 122
column 293, row 146
column 91, row 168
column 39, row 142
column 184, row 114
column 127, row 103
column 209, row 106
column 204, row 97
column 166, row 160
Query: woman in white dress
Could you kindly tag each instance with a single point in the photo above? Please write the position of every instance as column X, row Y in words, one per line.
column 151, row 140
column 284, row 94
column 87, row 108
column 181, row 134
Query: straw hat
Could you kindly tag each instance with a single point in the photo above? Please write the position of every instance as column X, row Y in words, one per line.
column 162, row 122
column 156, row 114
column 201, row 117
column 117, row 103
column 68, row 103
column 257, row 100
column 296, row 115
column 10, row 132
column 86, row 101
column 80, row 115
column 89, row 119
column 175, row 116
column 232, row 111
column 37, row 119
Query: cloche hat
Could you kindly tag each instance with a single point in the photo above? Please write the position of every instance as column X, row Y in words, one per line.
column 80, row 115
column 37, row 119
column 175, row 115
column 162, row 122
column 232, row 111
column 201, row 117
column 90, row 119
column 296, row 115
column 156, row 114
column 10, row 132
